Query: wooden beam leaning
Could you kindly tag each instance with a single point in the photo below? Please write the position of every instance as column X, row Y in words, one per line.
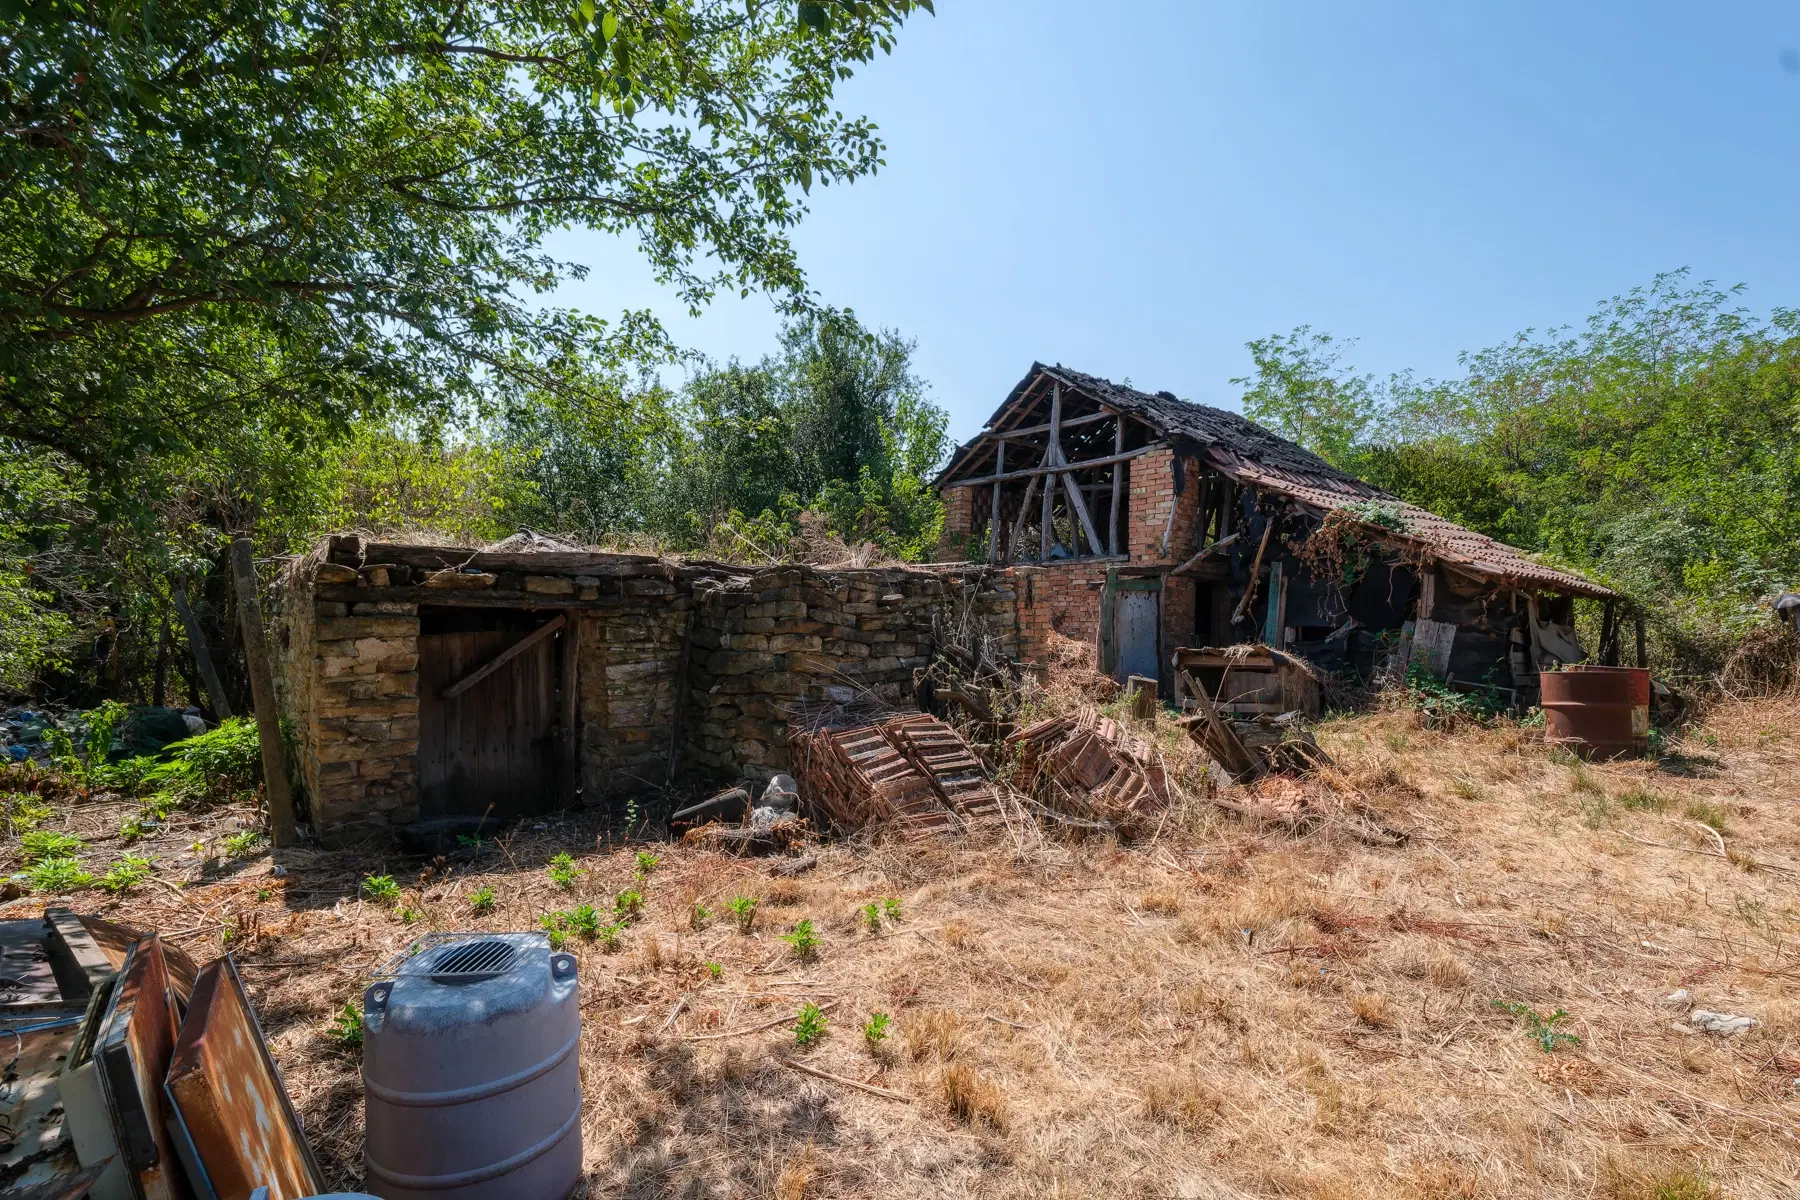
column 1205, row 554
column 1081, row 512
column 1118, row 479
column 1255, row 569
column 1018, row 526
column 282, row 833
column 505, row 656
column 1057, row 468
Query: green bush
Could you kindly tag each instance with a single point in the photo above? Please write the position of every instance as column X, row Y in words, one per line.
column 45, row 843
column 126, row 874
column 55, row 876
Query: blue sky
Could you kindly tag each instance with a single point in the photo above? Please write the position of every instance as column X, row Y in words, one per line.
column 1137, row 189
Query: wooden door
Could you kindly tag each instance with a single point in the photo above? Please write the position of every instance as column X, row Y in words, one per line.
column 494, row 747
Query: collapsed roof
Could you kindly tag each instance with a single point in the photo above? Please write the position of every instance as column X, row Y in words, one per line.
column 1250, row 454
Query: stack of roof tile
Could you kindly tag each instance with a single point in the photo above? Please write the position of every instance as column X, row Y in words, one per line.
column 1093, row 767
column 909, row 770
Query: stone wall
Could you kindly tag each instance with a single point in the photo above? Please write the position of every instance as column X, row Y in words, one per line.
column 718, row 652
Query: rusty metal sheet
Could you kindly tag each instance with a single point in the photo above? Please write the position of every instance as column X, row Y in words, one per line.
column 231, row 1099
column 115, row 940
column 132, row 1053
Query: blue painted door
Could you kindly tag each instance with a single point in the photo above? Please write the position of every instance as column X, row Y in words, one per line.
column 1135, row 626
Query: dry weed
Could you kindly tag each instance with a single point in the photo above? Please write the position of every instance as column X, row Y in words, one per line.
column 936, row 1033
column 797, row 1174
column 1179, row 1098
column 1656, row 1180
column 1165, row 902
column 972, row 1097
column 1373, row 1010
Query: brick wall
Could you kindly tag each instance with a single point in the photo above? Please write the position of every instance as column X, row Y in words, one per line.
column 1152, row 492
column 1062, row 596
column 954, row 543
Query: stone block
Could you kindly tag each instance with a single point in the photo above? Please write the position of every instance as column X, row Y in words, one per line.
column 329, row 608
column 649, row 587
column 384, row 608
column 360, row 629
column 549, row 585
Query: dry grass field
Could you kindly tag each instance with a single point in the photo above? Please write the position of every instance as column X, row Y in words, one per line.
column 1219, row 1011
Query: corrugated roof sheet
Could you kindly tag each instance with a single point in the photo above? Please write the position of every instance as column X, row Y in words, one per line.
column 1250, row 453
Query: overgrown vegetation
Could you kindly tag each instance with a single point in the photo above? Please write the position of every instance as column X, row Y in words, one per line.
column 1656, row 447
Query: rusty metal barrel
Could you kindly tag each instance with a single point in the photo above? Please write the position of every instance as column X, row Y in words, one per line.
column 1598, row 712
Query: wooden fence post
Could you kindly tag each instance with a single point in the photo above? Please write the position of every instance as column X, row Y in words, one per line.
column 262, row 692
column 209, row 674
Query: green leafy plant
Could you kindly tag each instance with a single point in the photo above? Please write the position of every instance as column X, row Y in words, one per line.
column 263, row 894
column 563, row 872
column 609, row 935
column 242, row 844
column 804, row 938
column 125, row 874
column 628, row 903
column 1639, row 799
column 585, row 920
column 44, row 843
column 890, row 908
column 743, row 911
column 875, row 1029
column 482, row 899
column 1707, row 814
column 159, row 806
column 809, row 1026
column 227, row 759
column 22, row 812
column 57, row 875
column 1542, row 1030
column 346, row 1028
column 133, row 828
column 699, row 916
column 555, row 927
column 646, row 863
column 871, row 915
column 407, row 914
column 381, row 888
column 716, row 970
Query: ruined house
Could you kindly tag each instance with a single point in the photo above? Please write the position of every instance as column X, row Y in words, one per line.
column 1144, row 523
column 434, row 684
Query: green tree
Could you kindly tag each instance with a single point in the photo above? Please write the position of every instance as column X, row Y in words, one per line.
column 1303, row 391
column 214, row 212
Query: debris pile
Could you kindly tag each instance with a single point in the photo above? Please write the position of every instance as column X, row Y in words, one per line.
column 1091, row 768
column 769, row 826
column 907, row 770
column 137, row 1073
column 1250, row 749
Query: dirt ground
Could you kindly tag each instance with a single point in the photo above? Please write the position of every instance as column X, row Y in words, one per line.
column 1219, row 1011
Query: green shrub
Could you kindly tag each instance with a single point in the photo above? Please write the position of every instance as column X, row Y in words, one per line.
column 44, row 843
column 21, row 812
column 585, row 920
column 57, row 875
column 381, row 888
column 563, row 872
column 556, row 927
column 242, row 844
column 875, row 1029
column 1541, row 1030
column 628, row 903
column 126, row 874
column 743, row 911
column 482, row 899
column 346, row 1028
column 226, row 759
column 804, row 939
column 809, row 1026
column 646, row 863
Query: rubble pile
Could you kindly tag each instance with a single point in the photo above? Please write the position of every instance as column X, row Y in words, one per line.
column 1090, row 767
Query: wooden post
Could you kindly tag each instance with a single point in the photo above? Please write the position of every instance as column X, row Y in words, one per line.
column 262, row 692
column 994, row 512
column 1018, row 526
column 209, row 674
column 571, row 703
column 1272, row 623
column 1052, row 454
column 1118, row 481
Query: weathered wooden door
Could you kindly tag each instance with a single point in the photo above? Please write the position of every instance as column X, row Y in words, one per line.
column 1135, row 626
column 492, row 748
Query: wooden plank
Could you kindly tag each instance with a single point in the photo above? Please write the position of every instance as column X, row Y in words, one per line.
column 1056, row 468
column 209, row 674
column 230, row 1096
column 1255, row 570
column 1195, row 561
column 1081, row 512
column 519, row 647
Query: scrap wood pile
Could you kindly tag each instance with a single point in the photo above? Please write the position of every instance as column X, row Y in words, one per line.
column 1092, row 769
column 138, row 1073
column 1249, row 749
column 907, row 770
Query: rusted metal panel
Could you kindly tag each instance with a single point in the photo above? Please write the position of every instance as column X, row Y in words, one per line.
column 132, row 1053
column 114, row 940
column 231, row 1099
